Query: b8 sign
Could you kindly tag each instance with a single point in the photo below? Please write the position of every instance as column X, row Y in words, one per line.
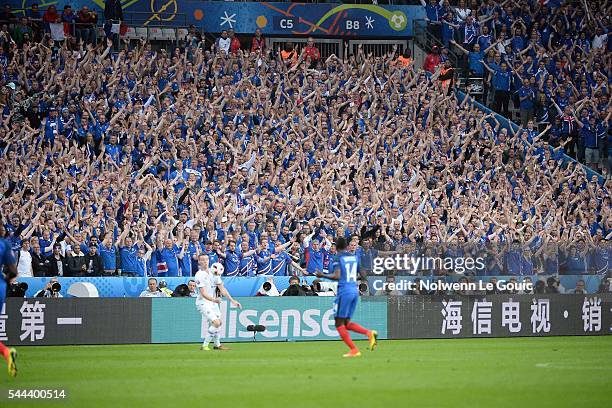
column 352, row 25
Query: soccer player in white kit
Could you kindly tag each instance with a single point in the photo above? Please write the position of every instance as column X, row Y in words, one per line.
column 210, row 289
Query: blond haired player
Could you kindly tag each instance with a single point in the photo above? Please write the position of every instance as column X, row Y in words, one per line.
column 210, row 289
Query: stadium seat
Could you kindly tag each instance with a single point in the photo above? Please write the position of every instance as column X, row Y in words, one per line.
column 155, row 33
column 181, row 33
column 130, row 34
column 169, row 34
column 141, row 33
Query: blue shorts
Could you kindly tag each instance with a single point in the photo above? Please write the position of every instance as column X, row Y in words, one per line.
column 345, row 305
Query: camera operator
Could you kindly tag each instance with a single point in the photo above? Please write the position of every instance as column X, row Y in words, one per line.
column 163, row 286
column 540, row 287
column 553, row 285
column 387, row 291
column 604, row 286
column 494, row 290
column 152, row 290
column 192, row 288
column 364, row 289
column 16, row 289
column 317, row 289
column 309, row 290
column 527, row 280
column 416, row 288
column 51, row 290
column 268, row 288
column 580, row 288
column 182, row 290
column 294, row 288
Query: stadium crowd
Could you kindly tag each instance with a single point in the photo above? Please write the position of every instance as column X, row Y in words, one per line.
column 550, row 60
column 137, row 161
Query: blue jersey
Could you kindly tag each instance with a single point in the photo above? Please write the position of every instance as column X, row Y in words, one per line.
column 191, row 251
column 109, row 257
column 212, row 257
column 232, row 262
column 142, row 267
column 264, row 262
column 348, row 264
column 170, row 258
column 248, row 267
column 129, row 259
column 279, row 264
column 314, row 259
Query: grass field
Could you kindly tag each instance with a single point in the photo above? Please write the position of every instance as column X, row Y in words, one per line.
column 523, row 372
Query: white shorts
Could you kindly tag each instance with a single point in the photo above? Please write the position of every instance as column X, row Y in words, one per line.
column 210, row 311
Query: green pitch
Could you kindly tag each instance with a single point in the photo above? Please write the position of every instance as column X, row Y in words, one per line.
column 520, row 372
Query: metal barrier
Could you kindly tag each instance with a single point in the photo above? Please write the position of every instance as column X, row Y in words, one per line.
column 159, row 19
column 326, row 47
column 378, row 48
column 426, row 40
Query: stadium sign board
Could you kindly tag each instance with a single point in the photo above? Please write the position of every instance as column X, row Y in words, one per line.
column 272, row 18
column 41, row 321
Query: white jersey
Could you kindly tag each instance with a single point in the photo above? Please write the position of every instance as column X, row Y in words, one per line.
column 208, row 281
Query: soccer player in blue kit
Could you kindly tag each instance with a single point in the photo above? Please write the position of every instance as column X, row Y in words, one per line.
column 7, row 260
column 345, row 269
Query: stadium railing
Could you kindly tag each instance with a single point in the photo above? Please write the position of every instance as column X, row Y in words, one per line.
column 425, row 40
column 378, row 48
column 326, row 46
column 508, row 124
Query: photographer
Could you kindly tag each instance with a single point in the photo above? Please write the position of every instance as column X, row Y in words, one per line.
column 364, row 289
column 416, row 288
column 294, row 288
column 553, row 285
column 191, row 285
column 386, row 290
column 163, row 287
column 51, row 290
column 16, row 289
column 183, row 290
column 604, row 286
column 579, row 289
column 152, row 290
column 268, row 289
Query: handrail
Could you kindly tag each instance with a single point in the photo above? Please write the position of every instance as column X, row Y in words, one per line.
column 162, row 18
column 423, row 37
column 511, row 126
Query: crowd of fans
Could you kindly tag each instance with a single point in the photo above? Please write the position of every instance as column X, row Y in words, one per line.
column 137, row 161
column 549, row 59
